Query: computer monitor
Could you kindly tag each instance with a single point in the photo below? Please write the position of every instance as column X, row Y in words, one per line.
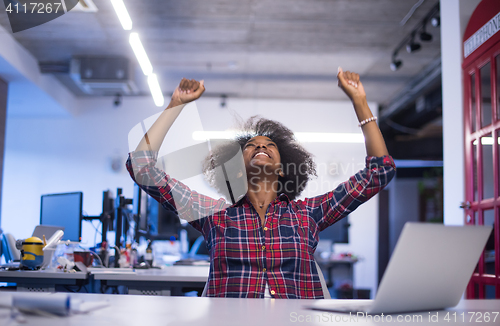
column 140, row 208
column 64, row 210
column 162, row 223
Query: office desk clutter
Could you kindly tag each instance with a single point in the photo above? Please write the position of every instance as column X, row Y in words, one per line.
column 141, row 227
column 148, row 243
column 36, row 253
column 31, row 252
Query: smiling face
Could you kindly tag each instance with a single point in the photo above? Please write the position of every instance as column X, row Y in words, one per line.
column 261, row 154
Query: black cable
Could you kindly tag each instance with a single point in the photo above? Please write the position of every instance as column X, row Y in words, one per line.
column 97, row 231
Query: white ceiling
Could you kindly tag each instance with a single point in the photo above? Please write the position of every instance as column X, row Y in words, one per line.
column 249, row 48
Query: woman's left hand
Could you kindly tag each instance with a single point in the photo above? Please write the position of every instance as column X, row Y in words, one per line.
column 351, row 85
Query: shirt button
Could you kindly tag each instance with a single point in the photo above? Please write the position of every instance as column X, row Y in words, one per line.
column 263, row 247
column 265, row 228
column 273, row 292
column 264, row 269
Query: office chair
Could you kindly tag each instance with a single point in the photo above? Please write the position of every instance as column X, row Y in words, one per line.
column 326, row 293
column 197, row 249
column 9, row 249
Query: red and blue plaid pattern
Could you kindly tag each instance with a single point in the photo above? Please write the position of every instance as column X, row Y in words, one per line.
column 246, row 254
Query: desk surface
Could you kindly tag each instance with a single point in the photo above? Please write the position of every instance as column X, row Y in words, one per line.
column 166, row 274
column 154, row 310
column 42, row 274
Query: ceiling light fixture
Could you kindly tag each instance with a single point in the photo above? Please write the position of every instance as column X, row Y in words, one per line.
column 486, row 141
column 436, row 21
column 223, row 98
column 409, row 41
column 412, row 46
column 424, row 36
column 122, row 13
column 140, row 54
column 155, row 89
column 395, row 63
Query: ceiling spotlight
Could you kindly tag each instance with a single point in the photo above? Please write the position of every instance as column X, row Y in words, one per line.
column 424, row 36
column 223, row 98
column 396, row 64
column 435, row 21
column 412, row 46
column 411, row 42
column 118, row 100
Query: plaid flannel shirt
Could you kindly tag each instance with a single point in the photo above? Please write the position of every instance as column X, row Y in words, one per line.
column 245, row 254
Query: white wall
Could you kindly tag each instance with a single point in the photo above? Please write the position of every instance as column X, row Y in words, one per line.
column 455, row 15
column 74, row 153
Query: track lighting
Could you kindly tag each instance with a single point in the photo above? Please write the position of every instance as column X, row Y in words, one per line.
column 118, row 100
column 412, row 46
column 396, row 64
column 223, row 98
column 424, row 36
column 436, row 21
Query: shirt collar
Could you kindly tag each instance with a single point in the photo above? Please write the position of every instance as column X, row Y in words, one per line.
column 244, row 201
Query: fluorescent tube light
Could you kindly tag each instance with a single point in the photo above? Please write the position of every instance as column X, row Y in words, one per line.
column 303, row 137
column 155, row 88
column 486, row 141
column 329, row 137
column 122, row 13
column 140, row 54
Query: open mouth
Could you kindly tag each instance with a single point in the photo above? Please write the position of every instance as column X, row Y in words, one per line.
column 262, row 154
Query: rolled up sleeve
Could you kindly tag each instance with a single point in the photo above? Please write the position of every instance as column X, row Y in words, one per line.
column 171, row 193
column 329, row 208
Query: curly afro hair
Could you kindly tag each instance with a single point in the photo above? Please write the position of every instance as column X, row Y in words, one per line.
column 298, row 165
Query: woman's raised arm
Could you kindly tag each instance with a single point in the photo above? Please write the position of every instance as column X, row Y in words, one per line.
column 187, row 91
column 351, row 85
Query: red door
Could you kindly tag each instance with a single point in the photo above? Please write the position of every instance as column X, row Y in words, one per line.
column 481, row 73
column 482, row 146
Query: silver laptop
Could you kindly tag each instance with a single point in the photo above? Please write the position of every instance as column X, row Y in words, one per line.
column 45, row 230
column 429, row 270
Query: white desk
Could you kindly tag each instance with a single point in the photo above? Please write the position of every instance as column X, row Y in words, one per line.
column 155, row 310
column 153, row 281
column 42, row 281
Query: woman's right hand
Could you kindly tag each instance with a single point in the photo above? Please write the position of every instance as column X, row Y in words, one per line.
column 187, row 91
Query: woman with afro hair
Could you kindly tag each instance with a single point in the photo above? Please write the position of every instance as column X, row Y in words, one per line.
column 262, row 242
